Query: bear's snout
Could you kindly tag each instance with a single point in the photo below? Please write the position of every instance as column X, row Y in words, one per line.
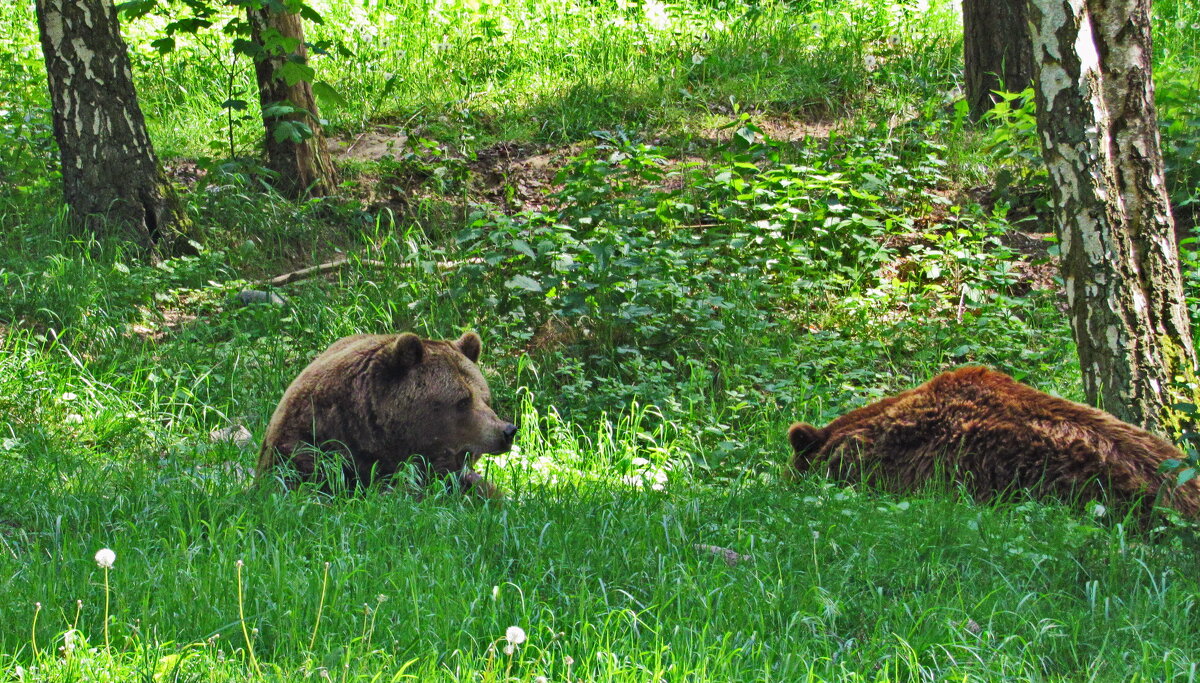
column 510, row 430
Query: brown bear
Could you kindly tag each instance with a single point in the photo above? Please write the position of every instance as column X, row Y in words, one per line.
column 994, row 436
column 372, row 403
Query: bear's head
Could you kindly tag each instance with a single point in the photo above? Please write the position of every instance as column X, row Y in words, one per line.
column 806, row 440
column 434, row 398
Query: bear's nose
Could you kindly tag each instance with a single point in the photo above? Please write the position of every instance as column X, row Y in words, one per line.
column 510, row 430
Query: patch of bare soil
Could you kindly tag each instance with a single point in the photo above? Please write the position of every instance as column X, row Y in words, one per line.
column 519, row 177
column 1031, row 269
column 780, row 128
column 158, row 324
column 185, row 172
column 1036, row 269
column 372, row 145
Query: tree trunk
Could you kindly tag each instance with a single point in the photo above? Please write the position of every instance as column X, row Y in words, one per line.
column 111, row 176
column 301, row 161
column 996, row 51
column 1099, row 137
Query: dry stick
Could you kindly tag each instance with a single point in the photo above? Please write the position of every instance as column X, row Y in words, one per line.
column 339, row 263
column 311, row 271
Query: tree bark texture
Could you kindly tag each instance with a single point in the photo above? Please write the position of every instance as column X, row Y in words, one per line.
column 1099, row 138
column 111, row 176
column 302, row 168
column 997, row 52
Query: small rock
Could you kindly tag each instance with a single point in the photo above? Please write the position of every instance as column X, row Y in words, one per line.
column 731, row 557
column 970, row 625
column 257, row 296
column 235, row 434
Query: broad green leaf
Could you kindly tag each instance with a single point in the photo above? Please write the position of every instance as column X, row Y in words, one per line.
column 163, row 45
column 523, row 247
column 294, row 72
column 328, row 94
column 523, row 282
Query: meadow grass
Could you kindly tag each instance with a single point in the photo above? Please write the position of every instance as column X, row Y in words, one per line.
column 597, row 569
column 689, row 288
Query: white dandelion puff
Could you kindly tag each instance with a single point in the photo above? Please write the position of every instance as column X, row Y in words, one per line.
column 105, row 558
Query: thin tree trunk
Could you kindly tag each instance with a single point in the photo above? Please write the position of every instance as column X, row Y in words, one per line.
column 996, row 51
column 304, row 167
column 1098, row 134
column 111, row 176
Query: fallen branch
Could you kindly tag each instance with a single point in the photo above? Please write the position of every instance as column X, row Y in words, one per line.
column 312, row 271
column 339, row 263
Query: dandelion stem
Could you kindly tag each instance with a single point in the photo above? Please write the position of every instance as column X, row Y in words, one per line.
column 37, row 609
column 106, row 641
column 242, row 619
column 320, row 607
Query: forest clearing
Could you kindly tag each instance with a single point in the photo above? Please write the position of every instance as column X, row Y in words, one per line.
column 677, row 228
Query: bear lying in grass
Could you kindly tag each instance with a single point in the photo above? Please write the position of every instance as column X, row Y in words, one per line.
column 371, row 404
column 994, row 436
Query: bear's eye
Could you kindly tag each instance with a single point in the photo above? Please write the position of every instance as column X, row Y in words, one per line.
column 464, row 404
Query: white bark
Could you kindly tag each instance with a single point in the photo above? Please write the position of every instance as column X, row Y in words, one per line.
column 110, row 172
column 1119, row 260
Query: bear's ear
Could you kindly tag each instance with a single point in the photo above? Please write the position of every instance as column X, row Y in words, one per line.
column 805, row 439
column 403, row 352
column 470, row 345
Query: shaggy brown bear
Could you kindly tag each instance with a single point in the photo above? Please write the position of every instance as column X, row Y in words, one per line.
column 370, row 404
column 985, row 431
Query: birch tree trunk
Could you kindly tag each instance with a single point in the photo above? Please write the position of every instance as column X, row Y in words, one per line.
column 996, row 51
column 301, row 161
column 111, row 176
column 1099, row 137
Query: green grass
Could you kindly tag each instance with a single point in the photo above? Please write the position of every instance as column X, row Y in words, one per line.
column 688, row 288
column 840, row 584
column 553, row 71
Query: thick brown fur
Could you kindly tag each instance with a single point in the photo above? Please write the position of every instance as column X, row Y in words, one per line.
column 371, row 404
column 994, row 436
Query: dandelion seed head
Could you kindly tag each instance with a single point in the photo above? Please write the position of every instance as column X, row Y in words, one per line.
column 509, row 649
column 515, row 635
column 105, row 558
column 656, row 15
